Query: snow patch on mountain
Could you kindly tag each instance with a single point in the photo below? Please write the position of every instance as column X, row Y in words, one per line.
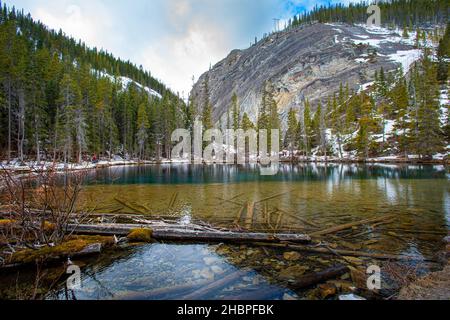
column 125, row 81
column 406, row 58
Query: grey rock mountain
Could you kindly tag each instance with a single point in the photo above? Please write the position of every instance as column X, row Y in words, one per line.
column 307, row 62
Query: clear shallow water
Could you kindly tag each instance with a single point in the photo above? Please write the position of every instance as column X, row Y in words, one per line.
column 161, row 271
column 303, row 198
column 299, row 199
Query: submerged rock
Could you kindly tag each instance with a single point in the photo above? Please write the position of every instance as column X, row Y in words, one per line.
column 327, row 290
column 350, row 297
column 217, row 270
column 291, row 256
column 293, row 272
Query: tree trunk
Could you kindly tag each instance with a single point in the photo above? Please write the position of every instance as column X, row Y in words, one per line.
column 312, row 279
column 340, row 146
column 21, row 127
column 9, row 119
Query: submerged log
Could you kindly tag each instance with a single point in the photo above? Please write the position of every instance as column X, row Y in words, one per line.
column 215, row 286
column 130, row 205
column 167, row 292
column 349, row 225
column 312, row 279
column 349, row 253
column 186, row 233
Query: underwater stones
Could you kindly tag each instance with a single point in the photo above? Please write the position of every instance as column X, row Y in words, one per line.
column 350, row 245
column 350, row 297
column 217, row 270
column 291, row 256
column 354, row 260
column 205, row 273
column 140, row 235
column 326, row 290
column 210, row 260
column 293, row 272
column 288, row 297
column 224, row 250
column 343, row 286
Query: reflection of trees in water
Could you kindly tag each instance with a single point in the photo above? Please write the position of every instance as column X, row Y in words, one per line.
column 185, row 173
column 90, row 272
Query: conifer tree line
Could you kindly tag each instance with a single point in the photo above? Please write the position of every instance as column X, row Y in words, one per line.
column 393, row 12
column 355, row 123
column 62, row 101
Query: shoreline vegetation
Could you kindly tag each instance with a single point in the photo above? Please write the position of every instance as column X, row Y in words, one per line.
column 28, row 167
column 82, row 107
column 40, row 229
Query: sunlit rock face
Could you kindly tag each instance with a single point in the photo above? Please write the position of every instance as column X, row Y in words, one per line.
column 309, row 62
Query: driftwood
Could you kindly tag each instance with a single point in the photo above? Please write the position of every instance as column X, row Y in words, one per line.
column 187, row 233
column 162, row 292
column 349, row 253
column 216, row 285
column 250, row 215
column 349, row 225
column 273, row 197
column 129, row 205
column 312, row 279
column 293, row 216
column 173, row 200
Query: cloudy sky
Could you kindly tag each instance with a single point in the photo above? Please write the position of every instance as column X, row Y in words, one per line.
column 174, row 39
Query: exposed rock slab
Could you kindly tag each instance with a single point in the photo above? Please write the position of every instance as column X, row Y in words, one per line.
column 308, row 62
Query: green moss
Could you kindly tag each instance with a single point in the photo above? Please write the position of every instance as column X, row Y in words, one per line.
column 7, row 222
column 73, row 245
column 140, row 235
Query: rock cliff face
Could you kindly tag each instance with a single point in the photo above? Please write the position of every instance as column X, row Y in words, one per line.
column 308, row 62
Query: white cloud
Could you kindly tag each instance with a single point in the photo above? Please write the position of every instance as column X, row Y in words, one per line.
column 173, row 39
column 89, row 21
column 176, row 58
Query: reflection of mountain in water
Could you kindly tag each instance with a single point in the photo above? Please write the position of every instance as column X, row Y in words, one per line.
column 198, row 174
column 161, row 271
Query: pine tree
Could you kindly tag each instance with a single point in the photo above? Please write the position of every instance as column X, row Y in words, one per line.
column 429, row 139
column 336, row 125
column 247, row 124
column 69, row 100
column 366, row 125
column 400, row 100
column 142, row 129
column 291, row 134
column 235, row 112
column 307, row 128
column 207, row 108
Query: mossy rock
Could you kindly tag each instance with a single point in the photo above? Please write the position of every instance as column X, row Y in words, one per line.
column 72, row 246
column 141, row 235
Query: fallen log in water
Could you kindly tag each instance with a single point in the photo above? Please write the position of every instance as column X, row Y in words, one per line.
column 162, row 292
column 349, row 253
column 187, row 233
column 215, row 286
column 312, row 279
column 349, row 225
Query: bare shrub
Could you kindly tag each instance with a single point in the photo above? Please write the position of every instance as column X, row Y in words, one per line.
column 39, row 206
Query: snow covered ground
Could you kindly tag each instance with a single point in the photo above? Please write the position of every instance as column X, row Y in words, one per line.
column 126, row 82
